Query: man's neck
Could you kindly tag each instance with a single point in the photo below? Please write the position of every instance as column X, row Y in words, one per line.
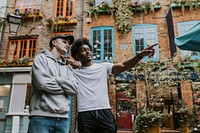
column 87, row 64
column 56, row 54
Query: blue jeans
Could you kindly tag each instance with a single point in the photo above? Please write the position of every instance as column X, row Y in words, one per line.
column 40, row 124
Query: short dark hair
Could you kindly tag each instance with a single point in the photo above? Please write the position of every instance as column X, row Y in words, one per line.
column 65, row 37
column 79, row 42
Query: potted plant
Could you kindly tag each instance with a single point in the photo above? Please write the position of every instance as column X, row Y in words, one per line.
column 16, row 61
column 184, row 118
column 148, row 121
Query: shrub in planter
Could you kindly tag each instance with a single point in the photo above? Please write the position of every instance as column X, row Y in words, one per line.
column 147, row 119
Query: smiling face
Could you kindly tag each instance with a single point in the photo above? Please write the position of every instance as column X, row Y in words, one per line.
column 84, row 54
column 61, row 45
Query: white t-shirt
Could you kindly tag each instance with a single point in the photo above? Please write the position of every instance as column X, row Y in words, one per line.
column 93, row 82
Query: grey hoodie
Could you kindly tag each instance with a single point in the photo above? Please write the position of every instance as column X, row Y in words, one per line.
column 52, row 82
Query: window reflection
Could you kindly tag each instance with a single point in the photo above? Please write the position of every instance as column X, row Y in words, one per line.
column 102, row 42
column 183, row 27
column 4, row 90
column 27, row 100
column 125, row 105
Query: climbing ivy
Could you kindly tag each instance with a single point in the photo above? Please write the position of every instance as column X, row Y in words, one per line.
column 123, row 15
column 122, row 10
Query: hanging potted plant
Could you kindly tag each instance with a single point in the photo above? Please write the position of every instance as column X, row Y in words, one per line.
column 103, row 7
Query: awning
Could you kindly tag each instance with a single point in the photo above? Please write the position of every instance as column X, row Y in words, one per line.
column 189, row 40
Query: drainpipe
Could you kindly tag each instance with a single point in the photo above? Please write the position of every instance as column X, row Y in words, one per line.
column 82, row 9
column 2, row 15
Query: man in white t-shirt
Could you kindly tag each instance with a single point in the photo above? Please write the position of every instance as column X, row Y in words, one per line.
column 94, row 111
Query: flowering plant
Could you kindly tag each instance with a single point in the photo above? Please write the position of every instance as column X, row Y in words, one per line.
column 51, row 20
column 54, row 22
column 16, row 60
column 184, row 119
column 184, row 113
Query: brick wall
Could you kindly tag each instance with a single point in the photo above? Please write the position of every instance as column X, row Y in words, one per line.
column 39, row 27
column 187, row 97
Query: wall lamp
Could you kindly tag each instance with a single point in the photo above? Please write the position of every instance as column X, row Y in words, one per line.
column 14, row 21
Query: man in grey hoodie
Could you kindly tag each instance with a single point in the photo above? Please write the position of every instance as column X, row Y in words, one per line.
column 52, row 84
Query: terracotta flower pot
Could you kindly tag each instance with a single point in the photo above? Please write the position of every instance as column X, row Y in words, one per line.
column 155, row 129
column 184, row 128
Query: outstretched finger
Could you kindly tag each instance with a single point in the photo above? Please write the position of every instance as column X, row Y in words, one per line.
column 150, row 47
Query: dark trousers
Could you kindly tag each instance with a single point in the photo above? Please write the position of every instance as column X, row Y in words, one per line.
column 97, row 121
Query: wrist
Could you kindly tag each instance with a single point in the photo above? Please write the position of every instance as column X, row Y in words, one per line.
column 69, row 62
column 139, row 56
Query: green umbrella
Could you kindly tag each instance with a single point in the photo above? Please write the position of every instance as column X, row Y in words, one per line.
column 189, row 40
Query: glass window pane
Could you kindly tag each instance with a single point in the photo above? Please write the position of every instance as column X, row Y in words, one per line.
column 102, row 43
column 145, row 35
column 28, row 6
column 139, row 39
column 182, row 28
column 125, row 105
column 23, row 47
column 4, row 90
column 96, row 45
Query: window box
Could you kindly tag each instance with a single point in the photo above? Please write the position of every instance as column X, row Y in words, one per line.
column 157, row 6
column 29, row 64
column 175, row 4
column 56, row 23
column 94, row 12
column 103, row 11
column 62, row 22
column 185, row 4
column 33, row 15
column 189, row 64
column 141, row 8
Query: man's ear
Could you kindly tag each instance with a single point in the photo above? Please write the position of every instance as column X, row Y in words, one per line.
column 54, row 42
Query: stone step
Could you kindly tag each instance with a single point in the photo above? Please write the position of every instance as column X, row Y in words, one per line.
column 162, row 131
column 170, row 131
